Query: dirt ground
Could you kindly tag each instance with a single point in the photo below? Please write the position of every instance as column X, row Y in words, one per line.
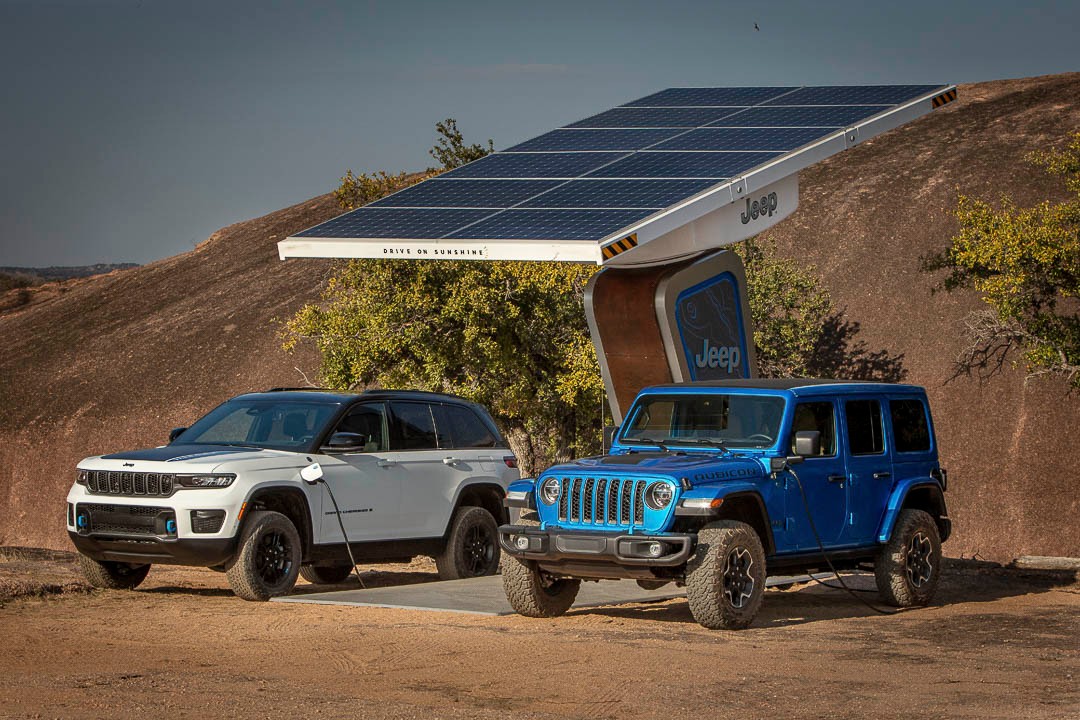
column 999, row 643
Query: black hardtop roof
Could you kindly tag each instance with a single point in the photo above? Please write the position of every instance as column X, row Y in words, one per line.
column 334, row 396
column 823, row 384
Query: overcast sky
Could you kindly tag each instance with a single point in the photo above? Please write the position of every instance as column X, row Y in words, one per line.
column 130, row 131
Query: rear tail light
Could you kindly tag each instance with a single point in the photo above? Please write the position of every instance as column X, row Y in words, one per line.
column 510, row 461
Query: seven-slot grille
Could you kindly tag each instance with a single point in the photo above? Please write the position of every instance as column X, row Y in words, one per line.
column 111, row 482
column 602, row 501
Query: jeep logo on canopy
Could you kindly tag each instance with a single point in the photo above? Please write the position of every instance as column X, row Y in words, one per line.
column 766, row 205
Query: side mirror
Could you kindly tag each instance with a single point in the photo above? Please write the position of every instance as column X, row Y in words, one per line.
column 312, row 473
column 346, row 441
column 808, row 443
column 175, row 433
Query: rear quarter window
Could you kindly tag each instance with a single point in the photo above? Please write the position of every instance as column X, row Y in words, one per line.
column 911, row 430
column 463, row 427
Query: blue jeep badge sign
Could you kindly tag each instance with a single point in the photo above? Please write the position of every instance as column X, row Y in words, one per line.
column 710, row 323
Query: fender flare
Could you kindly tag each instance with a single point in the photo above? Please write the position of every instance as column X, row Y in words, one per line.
column 737, row 491
column 899, row 497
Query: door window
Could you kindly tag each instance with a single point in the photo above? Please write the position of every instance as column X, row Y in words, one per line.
column 459, row 427
column 368, row 420
column 415, row 426
column 816, row 416
column 910, row 429
column 865, row 435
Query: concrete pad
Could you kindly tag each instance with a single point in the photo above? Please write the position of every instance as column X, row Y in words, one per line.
column 484, row 596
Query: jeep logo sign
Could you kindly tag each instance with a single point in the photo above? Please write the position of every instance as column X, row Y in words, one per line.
column 710, row 325
column 729, row 357
column 766, row 205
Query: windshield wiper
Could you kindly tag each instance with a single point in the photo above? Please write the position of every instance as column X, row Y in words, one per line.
column 250, row 447
column 719, row 444
column 646, row 441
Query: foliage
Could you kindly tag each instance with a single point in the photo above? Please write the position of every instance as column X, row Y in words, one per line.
column 450, row 149
column 1026, row 264
column 789, row 309
column 357, row 190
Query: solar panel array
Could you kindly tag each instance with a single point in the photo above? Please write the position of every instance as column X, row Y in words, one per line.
column 589, row 179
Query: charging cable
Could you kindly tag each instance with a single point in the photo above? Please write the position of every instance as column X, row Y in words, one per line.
column 337, row 511
column 821, row 546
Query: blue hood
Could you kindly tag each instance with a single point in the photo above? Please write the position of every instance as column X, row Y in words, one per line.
column 698, row 468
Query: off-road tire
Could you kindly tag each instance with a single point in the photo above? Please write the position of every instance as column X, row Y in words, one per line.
column 472, row 547
column 325, row 575
column 908, row 567
column 532, row 593
column 268, row 561
column 725, row 578
column 110, row 575
column 652, row 584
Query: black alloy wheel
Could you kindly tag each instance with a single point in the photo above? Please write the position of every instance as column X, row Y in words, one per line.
column 479, row 549
column 920, row 566
column 274, row 559
column 738, row 582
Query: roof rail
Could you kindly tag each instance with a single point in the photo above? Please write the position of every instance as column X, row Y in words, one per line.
column 309, row 389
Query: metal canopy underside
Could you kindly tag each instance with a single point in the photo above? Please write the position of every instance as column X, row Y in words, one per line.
column 616, row 187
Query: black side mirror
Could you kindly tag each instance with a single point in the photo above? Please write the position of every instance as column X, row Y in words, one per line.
column 808, row 443
column 346, row 441
column 175, row 433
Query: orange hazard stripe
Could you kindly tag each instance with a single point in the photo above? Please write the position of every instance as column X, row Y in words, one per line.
column 619, row 246
column 945, row 97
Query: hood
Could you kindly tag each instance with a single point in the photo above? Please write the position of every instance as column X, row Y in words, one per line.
column 698, row 468
column 186, row 453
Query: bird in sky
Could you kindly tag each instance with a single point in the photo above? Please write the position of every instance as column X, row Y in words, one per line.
column 756, row 27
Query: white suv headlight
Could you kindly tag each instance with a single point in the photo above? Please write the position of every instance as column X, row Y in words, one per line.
column 205, row 481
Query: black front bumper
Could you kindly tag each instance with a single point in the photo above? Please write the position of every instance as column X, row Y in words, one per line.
column 555, row 545
column 143, row 550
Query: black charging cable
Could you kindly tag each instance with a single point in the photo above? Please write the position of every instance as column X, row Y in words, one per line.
column 344, row 536
column 821, row 546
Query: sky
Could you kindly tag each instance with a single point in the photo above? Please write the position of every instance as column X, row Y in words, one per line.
column 130, row 131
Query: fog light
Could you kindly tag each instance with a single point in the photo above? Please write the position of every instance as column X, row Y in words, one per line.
column 521, row 542
column 656, row 549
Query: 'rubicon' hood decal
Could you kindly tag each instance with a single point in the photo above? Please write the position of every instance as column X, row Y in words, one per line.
column 178, row 453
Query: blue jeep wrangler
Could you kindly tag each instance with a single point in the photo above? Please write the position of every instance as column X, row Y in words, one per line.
column 715, row 485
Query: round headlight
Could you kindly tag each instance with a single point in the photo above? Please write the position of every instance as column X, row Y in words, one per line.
column 549, row 491
column 658, row 495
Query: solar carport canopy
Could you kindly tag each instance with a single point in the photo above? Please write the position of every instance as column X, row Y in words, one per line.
column 602, row 188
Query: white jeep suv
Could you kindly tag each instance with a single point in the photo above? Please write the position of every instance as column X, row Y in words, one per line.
column 413, row 473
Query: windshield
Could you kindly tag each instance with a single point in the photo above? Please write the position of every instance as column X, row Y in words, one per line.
column 733, row 421
column 262, row 423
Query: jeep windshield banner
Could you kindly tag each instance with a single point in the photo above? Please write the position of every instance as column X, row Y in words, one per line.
column 710, row 326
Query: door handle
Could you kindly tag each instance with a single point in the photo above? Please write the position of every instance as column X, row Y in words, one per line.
column 449, row 461
column 882, row 475
column 386, row 463
column 837, row 479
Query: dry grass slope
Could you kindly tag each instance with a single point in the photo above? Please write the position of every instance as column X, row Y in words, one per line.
column 113, row 362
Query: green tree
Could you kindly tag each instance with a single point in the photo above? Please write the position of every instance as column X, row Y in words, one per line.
column 450, row 149
column 1025, row 262
column 790, row 312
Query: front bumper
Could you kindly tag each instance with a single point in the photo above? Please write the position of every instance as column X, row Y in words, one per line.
column 619, row 548
column 141, row 550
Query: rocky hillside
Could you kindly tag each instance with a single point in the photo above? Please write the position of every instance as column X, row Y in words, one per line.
column 114, row 361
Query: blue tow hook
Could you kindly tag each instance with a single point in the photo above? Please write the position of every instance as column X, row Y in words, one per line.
column 81, row 522
column 170, row 526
